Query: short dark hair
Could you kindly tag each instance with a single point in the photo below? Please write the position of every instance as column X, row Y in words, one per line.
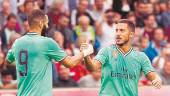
column 11, row 16
column 27, row 2
column 130, row 24
column 35, row 17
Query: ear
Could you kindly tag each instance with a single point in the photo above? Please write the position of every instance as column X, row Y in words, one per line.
column 46, row 22
column 41, row 24
column 131, row 34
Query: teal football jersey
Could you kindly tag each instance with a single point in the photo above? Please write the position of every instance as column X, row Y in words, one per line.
column 33, row 55
column 121, row 72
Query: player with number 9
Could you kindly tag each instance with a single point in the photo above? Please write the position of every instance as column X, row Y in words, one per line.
column 33, row 54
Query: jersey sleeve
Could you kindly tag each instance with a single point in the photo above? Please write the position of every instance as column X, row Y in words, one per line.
column 55, row 52
column 146, row 64
column 10, row 56
column 102, row 56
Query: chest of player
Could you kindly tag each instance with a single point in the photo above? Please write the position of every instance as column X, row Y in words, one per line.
column 120, row 65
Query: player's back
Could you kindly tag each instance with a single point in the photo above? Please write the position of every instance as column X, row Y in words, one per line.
column 34, row 68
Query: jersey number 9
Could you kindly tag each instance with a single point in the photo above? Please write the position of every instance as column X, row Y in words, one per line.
column 23, row 60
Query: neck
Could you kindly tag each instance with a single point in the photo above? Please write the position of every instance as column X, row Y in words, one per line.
column 36, row 31
column 125, row 48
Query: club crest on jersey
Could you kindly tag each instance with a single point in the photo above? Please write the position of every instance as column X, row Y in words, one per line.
column 115, row 54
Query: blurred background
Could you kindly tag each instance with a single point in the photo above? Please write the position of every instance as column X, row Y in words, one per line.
column 75, row 21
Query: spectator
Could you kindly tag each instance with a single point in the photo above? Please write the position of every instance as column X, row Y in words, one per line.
column 25, row 26
column 140, row 13
column 63, row 27
column 156, row 45
column 150, row 24
column 137, row 35
column 55, row 11
column 84, row 29
column 21, row 7
column 166, row 16
column 59, row 38
column 81, row 39
column 91, row 80
column 144, row 43
column 166, row 73
column 116, row 16
column 41, row 4
column 81, row 10
column 163, row 7
column 7, row 31
column 131, row 16
column 64, row 79
column 159, row 61
column 107, row 32
column 7, row 80
column 28, row 7
column 166, row 21
column 6, row 10
column 98, row 11
column 149, row 8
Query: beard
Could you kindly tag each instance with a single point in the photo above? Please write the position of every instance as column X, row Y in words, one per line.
column 123, row 42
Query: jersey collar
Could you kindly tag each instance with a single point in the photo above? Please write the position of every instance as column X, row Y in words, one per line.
column 124, row 54
column 32, row 33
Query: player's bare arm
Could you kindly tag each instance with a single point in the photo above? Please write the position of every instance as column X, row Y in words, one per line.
column 155, row 79
column 71, row 61
column 92, row 65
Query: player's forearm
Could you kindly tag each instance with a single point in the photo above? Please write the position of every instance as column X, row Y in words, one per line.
column 72, row 61
column 90, row 64
column 155, row 79
column 151, row 76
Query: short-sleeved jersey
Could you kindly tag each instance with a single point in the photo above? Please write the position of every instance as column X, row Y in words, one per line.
column 121, row 72
column 33, row 55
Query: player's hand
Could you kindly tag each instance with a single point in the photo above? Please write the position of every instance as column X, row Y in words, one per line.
column 157, row 82
column 86, row 48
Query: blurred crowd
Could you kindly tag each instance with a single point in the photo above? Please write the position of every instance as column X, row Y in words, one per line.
column 73, row 22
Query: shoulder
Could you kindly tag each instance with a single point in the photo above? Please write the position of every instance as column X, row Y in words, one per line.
column 47, row 39
column 103, row 50
column 109, row 47
column 138, row 53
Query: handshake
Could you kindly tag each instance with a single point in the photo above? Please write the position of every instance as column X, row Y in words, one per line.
column 86, row 48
